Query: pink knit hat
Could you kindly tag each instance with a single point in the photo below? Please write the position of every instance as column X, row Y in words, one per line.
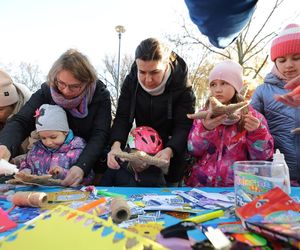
column 230, row 72
column 8, row 91
column 287, row 42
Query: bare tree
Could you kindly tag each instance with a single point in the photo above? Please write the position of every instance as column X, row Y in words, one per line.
column 30, row 75
column 26, row 73
column 110, row 75
column 249, row 49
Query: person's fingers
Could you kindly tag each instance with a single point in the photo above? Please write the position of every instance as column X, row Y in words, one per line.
column 251, row 124
column 297, row 97
column 248, row 126
column 287, row 100
column 4, row 153
column 76, row 182
column 112, row 162
column 293, row 83
column 290, row 99
column 208, row 115
column 294, row 92
column 218, row 120
column 71, row 180
column 65, row 182
column 198, row 115
column 74, row 176
column 250, row 119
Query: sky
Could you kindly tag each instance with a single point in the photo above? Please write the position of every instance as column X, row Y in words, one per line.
column 39, row 31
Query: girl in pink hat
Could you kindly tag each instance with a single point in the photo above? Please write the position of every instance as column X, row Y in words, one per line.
column 217, row 142
column 283, row 117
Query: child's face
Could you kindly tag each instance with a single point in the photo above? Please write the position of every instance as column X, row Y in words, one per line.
column 52, row 139
column 222, row 90
column 289, row 65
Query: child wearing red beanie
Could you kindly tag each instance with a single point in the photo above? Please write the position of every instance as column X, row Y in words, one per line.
column 217, row 142
column 282, row 119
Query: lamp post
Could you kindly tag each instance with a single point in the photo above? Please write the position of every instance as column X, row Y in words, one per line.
column 120, row 29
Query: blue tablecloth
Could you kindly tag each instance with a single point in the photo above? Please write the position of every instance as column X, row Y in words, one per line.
column 129, row 191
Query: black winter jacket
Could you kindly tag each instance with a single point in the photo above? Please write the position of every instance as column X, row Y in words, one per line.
column 94, row 128
column 166, row 113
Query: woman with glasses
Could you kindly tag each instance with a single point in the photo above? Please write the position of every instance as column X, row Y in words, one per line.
column 72, row 83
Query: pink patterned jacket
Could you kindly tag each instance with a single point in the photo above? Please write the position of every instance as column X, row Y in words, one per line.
column 216, row 151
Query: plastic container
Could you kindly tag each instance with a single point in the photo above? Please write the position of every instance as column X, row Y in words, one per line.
column 277, row 171
column 253, row 178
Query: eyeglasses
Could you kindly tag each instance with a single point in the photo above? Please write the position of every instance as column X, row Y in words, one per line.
column 72, row 87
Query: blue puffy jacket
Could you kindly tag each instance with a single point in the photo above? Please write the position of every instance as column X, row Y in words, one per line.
column 281, row 120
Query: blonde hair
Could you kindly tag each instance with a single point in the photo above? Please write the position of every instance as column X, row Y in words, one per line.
column 75, row 62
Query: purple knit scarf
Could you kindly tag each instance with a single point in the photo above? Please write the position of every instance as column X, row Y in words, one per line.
column 78, row 106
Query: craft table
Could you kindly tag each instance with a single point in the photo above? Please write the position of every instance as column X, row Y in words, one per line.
column 129, row 191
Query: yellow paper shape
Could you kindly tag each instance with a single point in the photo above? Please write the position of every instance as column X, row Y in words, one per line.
column 83, row 231
column 149, row 230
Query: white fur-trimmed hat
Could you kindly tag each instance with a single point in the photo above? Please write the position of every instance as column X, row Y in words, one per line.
column 51, row 117
column 8, row 91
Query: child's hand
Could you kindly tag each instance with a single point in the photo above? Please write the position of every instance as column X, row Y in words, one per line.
column 211, row 123
column 56, row 171
column 251, row 123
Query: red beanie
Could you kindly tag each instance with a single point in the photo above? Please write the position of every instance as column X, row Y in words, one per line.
column 287, row 42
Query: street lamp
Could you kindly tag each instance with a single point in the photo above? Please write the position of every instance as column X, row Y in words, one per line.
column 120, row 29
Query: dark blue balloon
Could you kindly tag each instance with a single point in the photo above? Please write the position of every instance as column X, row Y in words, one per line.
column 221, row 20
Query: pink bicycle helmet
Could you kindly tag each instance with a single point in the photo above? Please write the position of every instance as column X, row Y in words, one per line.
column 145, row 139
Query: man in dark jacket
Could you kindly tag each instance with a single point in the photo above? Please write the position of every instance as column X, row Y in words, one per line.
column 155, row 93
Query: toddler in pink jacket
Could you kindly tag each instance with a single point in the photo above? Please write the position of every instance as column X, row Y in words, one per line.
column 217, row 142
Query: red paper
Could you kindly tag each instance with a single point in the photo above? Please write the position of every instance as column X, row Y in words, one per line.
column 5, row 223
column 272, row 201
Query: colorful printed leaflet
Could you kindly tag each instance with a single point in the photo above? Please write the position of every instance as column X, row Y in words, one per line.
column 275, row 215
column 207, row 200
column 249, row 186
column 83, row 231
